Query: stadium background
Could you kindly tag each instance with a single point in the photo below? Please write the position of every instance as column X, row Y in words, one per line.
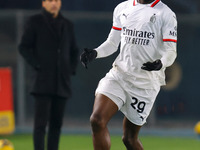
column 177, row 105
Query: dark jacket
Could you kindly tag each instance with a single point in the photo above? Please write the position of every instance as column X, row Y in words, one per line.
column 48, row 45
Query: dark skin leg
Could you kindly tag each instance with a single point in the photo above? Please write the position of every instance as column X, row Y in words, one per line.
column 103, row 110
column 130, row 137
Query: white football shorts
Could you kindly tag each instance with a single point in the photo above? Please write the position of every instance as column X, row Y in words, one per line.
column 133, row 102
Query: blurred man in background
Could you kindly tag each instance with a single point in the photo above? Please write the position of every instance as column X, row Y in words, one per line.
column 48, row 45
column 147, row 32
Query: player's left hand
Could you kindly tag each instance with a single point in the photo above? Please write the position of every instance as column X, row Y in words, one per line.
column 152, row 66
column 87, row 56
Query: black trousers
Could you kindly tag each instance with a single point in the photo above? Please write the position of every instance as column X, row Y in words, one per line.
column 48, row 110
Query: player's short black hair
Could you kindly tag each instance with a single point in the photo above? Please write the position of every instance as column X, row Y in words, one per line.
column 43, row 0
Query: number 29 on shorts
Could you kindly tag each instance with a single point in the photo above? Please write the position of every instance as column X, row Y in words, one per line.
column 137, row 105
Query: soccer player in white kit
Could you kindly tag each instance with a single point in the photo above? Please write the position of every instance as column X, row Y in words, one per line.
column 147, row 33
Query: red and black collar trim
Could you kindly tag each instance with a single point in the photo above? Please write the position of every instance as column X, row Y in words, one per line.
column 152, row 5
column 155, row 3
column 134, row 3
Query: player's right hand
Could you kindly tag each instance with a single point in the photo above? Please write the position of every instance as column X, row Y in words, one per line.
column 87, row 56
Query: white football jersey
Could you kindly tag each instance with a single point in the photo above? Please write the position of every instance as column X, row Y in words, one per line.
column 147, row 32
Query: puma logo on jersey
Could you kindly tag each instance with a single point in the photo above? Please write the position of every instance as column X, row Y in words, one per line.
column 125, row 15
column 142, row 118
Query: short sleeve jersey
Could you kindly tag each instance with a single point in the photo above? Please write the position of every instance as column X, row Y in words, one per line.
column 144, row 29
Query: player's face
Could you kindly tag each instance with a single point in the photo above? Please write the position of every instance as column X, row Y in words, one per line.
column 52, row 6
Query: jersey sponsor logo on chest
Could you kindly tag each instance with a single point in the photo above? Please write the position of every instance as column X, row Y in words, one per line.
column 137, row 37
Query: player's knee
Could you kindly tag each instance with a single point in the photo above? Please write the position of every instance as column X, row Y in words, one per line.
column 96, row 122
column 132, row 143
column 126, row 141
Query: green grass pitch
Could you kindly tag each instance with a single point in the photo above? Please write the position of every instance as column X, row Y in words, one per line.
column 84, row 142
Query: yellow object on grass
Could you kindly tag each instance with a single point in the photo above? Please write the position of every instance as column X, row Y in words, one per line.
column 197, row 128
column 6, row 145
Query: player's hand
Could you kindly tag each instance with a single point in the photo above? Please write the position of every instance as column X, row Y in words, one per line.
column 152, row 66
column 87, row 56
